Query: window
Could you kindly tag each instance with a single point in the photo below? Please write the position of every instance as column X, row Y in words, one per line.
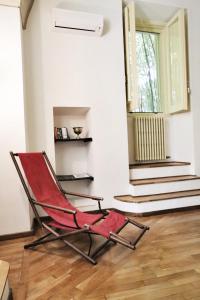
column 147, row 57
column 156, row 64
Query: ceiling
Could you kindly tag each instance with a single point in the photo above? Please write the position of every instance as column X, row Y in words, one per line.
column 145, row 10
column 154, row 11
column 151, row 11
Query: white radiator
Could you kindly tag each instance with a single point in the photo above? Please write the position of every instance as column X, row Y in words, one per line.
column 149, row 138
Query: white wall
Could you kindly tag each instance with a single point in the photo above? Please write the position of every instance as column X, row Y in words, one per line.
column 14, row 211
column 180, row 137
column 78, row 70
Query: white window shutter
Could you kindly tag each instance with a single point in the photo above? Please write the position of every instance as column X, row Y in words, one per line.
column 130, row 51
column 177, row 64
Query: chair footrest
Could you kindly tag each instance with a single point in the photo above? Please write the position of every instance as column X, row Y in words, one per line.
column 114, row 222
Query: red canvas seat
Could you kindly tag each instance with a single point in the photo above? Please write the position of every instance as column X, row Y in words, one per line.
column 49, row 194
column 113, row 222
column 45, row 190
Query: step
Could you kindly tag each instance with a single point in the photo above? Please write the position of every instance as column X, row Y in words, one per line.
column 157, row 164
column 163, row 179
column 158, row 197
column 160, row 202
column 164, row 184
column 155, row 170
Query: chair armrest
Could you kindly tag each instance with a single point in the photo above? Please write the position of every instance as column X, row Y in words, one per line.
column 83, row 195
column 69, row 211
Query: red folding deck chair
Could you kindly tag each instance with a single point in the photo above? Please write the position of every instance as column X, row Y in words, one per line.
column 66, row 220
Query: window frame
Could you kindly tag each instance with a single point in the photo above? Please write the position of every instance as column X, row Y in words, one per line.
column 131, row 23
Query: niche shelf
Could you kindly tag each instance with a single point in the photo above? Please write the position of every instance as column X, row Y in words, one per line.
column 87, row 139
column 74, row 178
column 72, row 154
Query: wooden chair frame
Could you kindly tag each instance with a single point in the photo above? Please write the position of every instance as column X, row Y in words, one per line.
column 113, row 238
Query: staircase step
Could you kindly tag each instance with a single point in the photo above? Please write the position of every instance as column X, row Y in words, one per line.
column 163, row 179
column 169, row 184
column 157, row 197
column 158, row 164
column 164, row 170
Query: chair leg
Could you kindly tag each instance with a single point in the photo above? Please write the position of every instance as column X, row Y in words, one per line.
column 130, row 244
column 37, row 242
column 101, row 247
column 119, row 239
column 55, row 238
column 87, row 257
column 90, row 246
column 42, row 240
column 141, row 226
column 134, row 243
column 144, row 228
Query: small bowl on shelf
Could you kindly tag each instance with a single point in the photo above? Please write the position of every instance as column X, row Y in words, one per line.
column 78, row 130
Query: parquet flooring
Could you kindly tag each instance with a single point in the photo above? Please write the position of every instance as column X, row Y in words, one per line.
column 165, row 265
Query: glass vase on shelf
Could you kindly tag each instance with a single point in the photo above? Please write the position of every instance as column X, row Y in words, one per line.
column 78, row 130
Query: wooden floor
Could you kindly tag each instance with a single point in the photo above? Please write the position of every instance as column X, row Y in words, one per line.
column 165, row 265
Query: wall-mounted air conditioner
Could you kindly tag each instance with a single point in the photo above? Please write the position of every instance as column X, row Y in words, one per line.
column 76, row 21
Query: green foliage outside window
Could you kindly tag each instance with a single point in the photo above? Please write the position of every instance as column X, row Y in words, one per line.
column 147, row 54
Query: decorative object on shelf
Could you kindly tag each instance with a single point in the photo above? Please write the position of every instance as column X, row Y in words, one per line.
column 81, row 175
column 58, row 133
column 61, row 133
column 78, row 131
column 64, row 133
column 75, row 177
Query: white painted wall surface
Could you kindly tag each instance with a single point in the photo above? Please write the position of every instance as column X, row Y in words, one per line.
column 63, row 69
column 180, row 137
column 14, row 211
